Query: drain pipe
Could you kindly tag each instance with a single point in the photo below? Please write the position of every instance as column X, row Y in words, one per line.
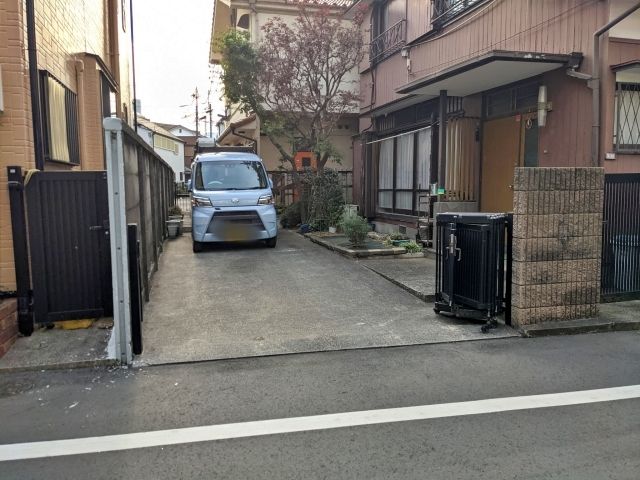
column 34, row 85
column 595, row 83
column 133, row 68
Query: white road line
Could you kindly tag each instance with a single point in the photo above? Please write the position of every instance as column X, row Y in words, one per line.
column 128, row 441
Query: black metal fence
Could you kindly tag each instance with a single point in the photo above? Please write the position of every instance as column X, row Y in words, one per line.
column 621, row 237
column 388, row 42
column 183, row 201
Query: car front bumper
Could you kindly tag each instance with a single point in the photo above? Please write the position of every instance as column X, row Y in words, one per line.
column 230, row 224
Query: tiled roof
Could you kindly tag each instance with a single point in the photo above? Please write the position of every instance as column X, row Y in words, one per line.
column 154, row 127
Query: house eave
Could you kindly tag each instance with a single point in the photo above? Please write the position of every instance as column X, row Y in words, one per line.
column 488, row 71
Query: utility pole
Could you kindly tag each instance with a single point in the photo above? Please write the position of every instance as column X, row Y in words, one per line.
column 209, row 110
column 196, row 97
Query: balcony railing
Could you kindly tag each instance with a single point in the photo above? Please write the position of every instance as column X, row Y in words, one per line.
column 445, row 10
column 388, row 42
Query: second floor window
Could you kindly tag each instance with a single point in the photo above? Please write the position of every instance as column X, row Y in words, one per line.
column 380, row 19
column 60, row 121
column 388, row 33
column 165, row 143
column 446, row 10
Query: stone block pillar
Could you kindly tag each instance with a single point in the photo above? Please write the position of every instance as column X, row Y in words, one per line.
column 557, row 238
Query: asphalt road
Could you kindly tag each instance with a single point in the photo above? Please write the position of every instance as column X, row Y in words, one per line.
column 247, row 300
column 593, row 441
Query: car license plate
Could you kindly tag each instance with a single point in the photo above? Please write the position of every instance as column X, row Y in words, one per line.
column 235, row 233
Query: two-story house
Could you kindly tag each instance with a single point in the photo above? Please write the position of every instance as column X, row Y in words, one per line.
column 457, row 93
column 167, row 145
column 237, row 128
column 189, row 137
column 63, row 67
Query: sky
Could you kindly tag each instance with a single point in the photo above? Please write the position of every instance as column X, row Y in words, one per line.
column 172, row 59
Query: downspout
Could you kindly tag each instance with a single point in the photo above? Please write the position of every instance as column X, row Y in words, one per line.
column 595, row 83
column 34, row 85
column 133, row 68
column 442, row 140
column 81, row 112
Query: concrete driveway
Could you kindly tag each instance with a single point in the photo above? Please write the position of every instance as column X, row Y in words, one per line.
column 243, row 301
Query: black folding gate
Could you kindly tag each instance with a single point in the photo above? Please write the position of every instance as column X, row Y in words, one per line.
column 68, row 224
column 621, row 237
column 473, row 267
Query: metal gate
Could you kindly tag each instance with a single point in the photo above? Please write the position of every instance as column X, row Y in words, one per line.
column 68, row 224
column 621, row 237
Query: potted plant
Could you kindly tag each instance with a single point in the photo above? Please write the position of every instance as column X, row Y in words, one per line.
column 173, row 228
column 175, row 214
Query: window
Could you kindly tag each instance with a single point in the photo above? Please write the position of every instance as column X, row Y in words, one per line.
column 512, row 100
column 243, row 22
column 108, row 100
column 60, row 121
column 627, row 124
column 403, row 171
column 165, row 143
column 219, row 175
column 446, row 10
column 386, row 39
column 380, row 18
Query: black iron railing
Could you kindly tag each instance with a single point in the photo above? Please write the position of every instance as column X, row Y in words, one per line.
column 445, row 10
column 388, row 42
column 621, row 237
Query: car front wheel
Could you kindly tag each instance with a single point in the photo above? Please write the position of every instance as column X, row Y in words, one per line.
column 197, row 247
column 271, row 242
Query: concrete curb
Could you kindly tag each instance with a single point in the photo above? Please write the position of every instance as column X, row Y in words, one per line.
column 575, row 327
column 425, row 297
column 349, row 252
column 106, row 362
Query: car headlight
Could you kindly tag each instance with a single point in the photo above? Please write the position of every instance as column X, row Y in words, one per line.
column 265, row 200
column 200, row 202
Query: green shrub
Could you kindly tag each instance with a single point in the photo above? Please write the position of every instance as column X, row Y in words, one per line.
column 175, row 210
column 398, row 236
column 412, row 247
column 291, row 216
column 355, row 228
column 323, row 199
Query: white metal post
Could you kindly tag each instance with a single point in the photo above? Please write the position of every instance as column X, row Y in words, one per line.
column 118, row 227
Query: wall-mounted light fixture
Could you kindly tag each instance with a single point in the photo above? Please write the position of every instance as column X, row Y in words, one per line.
column 543, row 106
column 404, row 53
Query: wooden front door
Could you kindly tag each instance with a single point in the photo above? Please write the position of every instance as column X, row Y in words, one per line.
column 507, row 143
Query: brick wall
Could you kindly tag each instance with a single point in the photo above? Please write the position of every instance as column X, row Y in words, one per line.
column 16, row 141
column 65, row 30
column 8, row 325
column 557, row 243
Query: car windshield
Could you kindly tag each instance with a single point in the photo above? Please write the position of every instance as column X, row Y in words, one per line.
column 220, row 175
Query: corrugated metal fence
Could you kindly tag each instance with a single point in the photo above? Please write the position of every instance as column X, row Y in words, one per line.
column 621, row 237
